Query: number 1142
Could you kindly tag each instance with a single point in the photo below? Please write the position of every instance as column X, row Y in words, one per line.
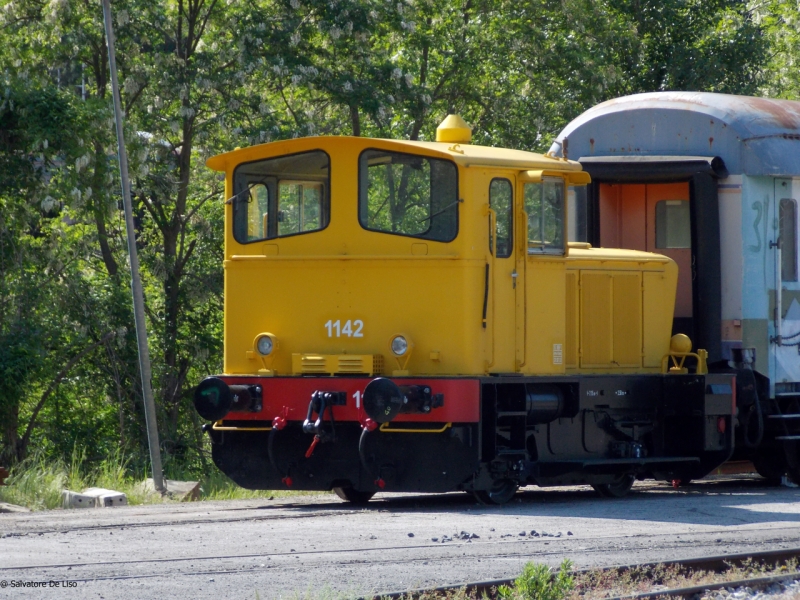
column 347, row 329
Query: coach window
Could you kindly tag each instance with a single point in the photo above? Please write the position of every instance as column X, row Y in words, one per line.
column 501, row 199
column 544, row 203
column 282, row 196
column 788, row 231
column 673, row 224
column 406, row 194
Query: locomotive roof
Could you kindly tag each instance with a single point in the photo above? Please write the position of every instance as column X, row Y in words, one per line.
column 754, row 136
column 462, row 154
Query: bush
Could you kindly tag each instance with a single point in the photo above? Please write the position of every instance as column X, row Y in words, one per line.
column 537, row 582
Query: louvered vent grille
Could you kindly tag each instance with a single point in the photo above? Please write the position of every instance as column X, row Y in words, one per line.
column 337, row 364
column 353, row 364
column 313, row 363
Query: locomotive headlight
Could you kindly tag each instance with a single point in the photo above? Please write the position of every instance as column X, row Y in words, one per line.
column 266, row 343
column 399, row 345
column 264, row 346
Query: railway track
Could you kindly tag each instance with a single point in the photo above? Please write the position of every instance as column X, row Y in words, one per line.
column 716, row 564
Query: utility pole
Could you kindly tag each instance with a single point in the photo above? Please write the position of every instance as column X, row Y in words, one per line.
column 136, row 281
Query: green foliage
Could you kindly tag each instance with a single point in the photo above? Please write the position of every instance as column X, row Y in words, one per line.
column 537, row 582
column 201, row 78
column 37, row 481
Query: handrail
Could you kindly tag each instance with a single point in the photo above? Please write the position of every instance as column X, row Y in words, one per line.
column 386, row 429
column 677, row 365
column 217, row 427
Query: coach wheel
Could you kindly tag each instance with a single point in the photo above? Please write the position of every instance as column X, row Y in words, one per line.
column 794, row 475
column 792, row 453
column 617, row 489
column 501, row 492
column 353, row 496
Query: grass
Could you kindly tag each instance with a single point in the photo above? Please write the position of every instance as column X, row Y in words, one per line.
column 38, row 481
column 599, row 584
column 540, row 582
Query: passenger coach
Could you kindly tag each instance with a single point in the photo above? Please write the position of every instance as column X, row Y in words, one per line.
column 712, row 181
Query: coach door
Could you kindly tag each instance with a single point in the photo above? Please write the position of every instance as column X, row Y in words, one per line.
column 505, row 278
column 654, row 218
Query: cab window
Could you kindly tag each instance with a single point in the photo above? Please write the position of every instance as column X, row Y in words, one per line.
column 577, row 214
column 282, row 196
column 501, row 199
column 544, row 204
column 406, row 194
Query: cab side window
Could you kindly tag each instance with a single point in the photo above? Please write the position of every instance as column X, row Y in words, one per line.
column 544, row 203
column 501, row 200
column 577, row 214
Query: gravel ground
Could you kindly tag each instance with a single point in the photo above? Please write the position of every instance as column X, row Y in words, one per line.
column 317, row 546
column 776, row 591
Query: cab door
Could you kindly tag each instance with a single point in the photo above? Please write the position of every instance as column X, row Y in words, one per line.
column 505, row 278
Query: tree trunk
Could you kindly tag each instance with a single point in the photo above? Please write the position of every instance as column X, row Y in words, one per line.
column 355, row 119
column 99, row 209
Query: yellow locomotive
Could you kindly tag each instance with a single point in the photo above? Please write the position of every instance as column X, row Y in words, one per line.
column 409, row 316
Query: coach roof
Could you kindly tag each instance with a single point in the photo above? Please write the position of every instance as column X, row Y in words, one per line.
column 754, row 136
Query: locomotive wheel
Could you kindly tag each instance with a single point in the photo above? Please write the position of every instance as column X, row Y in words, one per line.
column 353, row 496
column 769, row 467
column 501, row 492
column 618, row 489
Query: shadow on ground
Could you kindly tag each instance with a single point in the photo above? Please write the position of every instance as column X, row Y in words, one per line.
column 721, row 501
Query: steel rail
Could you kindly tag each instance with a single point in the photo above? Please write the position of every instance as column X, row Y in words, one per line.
column 717, row 563
column 684, row 592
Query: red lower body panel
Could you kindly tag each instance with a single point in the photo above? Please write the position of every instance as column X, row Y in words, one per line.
column 289, row 397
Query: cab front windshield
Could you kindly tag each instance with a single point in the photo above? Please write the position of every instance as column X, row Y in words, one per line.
column 279, row 197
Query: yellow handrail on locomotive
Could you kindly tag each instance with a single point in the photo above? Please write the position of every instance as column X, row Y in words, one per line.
column 217, row 426
column 386, row 429
column 680, row 347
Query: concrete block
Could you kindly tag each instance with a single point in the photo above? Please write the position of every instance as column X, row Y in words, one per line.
column 71, row 499
column 93, row 498
column 106, row 498
column 112, row 499
column 183, row 491
column 5, row 507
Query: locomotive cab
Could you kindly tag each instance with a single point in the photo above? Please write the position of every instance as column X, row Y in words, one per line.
column 409, row 316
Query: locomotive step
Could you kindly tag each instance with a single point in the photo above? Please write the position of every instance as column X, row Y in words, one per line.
column 607, row 466
column 793, row 416
column 650, row 460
